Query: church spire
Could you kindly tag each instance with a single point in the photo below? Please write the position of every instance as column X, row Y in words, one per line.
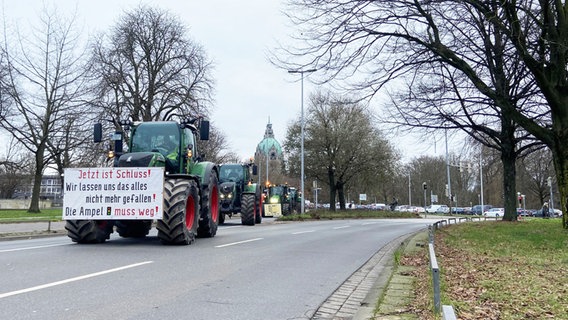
column 268, row 133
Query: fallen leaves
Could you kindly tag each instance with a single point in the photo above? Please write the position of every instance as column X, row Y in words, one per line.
column 482, row 285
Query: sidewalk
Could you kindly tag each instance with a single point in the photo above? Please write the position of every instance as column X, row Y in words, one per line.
column 379, row 285
column 21, row 230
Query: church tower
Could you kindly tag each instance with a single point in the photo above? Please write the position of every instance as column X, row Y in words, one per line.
column 269, row 158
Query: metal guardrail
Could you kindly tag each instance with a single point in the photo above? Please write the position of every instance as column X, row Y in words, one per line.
column 435, row 277
column 447, row 311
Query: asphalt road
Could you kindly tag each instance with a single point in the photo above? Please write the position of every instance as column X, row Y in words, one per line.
column 269, row 271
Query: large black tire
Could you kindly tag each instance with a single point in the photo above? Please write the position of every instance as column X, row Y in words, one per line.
column 209, row 213
column 285, row 209
column 133, row 228
column 221, row 218
column 248, row 209
column 89, row 231
column 181, row 207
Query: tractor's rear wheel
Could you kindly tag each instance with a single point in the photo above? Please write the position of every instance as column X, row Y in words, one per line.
column 209, row 208
column 248, row 209
column 181, row 207
column 89, row 231
column 133, row 228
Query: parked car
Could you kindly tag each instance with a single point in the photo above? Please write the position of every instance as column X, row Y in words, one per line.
column 443, row 209
column 477, row 209
column 458, row 210
column 419, row 209
column 523, row 212
column 538, row 213
column 433, row 208
column 495, row 212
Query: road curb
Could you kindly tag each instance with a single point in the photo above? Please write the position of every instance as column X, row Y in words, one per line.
column 357, row 297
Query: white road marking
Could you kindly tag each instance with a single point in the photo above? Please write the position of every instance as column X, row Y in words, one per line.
column 57, row 283
column 238, row 242
column 232, row 227
column 300, row 232
column 367, row 223
column 36, row 247
column 342, row 227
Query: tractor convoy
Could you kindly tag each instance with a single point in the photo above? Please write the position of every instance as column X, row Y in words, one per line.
column 239, row 194
column 281, row 200
column 163, row 181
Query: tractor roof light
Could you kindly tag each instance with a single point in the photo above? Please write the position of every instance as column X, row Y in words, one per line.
column 126, row 124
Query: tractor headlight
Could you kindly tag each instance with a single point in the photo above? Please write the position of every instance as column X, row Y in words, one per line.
column 222, row 196
column 230, row 196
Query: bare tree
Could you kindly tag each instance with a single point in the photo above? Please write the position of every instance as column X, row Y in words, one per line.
column 534, row 172
column 215, row 149
column 148, row 69
column 341, row 144
column 40, row 88
column 14, row 171
column 390, row 38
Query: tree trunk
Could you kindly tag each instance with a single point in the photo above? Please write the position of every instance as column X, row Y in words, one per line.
column 341, row 195
column 332, row 189
column 34, row 203
column 508, row 159
column 560, row 156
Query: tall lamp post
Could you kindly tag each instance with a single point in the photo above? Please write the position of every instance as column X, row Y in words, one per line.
column 301, row 72
column 551, row 205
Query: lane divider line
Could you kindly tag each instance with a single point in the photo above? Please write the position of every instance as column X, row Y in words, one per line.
column 238, row 242
column 36, row 247
column 300, row 232
column 342, row 227
column 57, row 283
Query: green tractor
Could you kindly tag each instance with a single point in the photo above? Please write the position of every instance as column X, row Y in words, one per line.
column 281, row 201
column 295, row 197
column 239, row 194
column 190, row 187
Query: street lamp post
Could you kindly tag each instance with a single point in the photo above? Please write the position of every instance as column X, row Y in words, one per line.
column 551, row 205
column 301, row 72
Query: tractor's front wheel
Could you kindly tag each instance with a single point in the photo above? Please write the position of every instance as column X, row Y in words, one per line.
column 89, row 231
column 248, row 209
column 181, row 212
column 209, row 208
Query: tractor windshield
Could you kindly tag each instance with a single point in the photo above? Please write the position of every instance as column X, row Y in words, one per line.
column 162, row 137
column 277, row 190
column 230, row 173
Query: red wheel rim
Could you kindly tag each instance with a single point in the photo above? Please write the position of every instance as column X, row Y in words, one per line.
column 214, row 205
column 189, row 212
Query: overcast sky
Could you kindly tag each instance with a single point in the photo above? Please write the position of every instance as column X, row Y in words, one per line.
column 236, row 35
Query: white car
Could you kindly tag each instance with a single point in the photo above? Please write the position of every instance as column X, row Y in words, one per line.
column 418, row 210
column 434, row 208
column 495, row 212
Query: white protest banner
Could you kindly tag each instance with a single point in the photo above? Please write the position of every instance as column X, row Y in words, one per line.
column 113, row 193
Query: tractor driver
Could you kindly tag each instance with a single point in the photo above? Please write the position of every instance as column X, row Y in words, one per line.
column 169, row 144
